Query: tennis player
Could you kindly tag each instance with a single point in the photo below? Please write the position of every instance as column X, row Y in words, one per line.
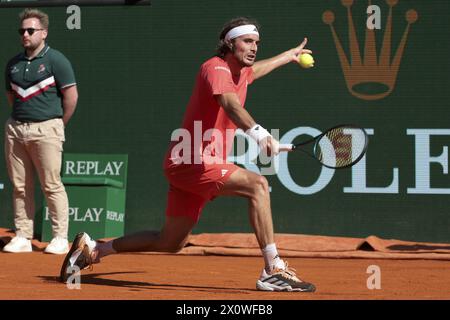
column 199, row 172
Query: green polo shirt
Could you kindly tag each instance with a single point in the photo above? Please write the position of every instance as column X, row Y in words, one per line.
column 37, row 84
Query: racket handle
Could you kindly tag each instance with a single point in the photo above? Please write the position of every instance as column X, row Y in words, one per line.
column 286, row 147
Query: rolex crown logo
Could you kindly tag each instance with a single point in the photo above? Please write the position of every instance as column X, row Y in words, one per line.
column 371, row 71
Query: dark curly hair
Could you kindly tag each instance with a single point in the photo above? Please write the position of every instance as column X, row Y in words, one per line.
column 222, row 47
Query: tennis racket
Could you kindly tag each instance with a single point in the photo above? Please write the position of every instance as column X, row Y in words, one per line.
column 339, row 147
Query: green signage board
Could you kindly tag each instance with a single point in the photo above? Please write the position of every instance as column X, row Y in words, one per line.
column 96, row 188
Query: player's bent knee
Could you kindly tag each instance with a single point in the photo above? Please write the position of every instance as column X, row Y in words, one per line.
column 173, row 247
column 261, row 185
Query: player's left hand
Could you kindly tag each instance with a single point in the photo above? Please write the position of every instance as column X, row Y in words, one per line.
column 297, row 51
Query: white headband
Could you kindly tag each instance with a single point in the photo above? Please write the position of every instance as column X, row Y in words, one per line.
column 241, row 30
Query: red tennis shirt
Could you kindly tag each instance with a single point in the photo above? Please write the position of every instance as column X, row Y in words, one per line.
column 211, row 130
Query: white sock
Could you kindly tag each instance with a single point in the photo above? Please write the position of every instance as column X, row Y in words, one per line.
column 105, row 249
column 271, row 258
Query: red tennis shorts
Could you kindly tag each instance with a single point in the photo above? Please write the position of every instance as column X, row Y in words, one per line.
column 193, row 185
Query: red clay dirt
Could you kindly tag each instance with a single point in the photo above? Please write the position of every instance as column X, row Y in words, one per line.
column 185, row 277
column 226, row 267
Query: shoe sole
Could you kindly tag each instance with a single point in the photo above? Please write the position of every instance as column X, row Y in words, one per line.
column 269, row 287
column 22, row 251
column 63, row 275
column 56, row 252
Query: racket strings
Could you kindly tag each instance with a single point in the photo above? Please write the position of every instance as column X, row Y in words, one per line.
column 339, row 147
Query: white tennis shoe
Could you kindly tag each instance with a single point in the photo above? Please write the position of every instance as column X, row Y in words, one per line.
column 58, row 245
column 18, row 244
column 283, row 280
column 80, row 256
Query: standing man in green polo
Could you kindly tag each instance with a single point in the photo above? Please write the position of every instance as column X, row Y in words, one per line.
column 41, row 88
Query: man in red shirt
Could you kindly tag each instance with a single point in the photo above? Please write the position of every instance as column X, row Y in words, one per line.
column 196, row 166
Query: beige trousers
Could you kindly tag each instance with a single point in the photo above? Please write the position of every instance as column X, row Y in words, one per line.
column 36, row 147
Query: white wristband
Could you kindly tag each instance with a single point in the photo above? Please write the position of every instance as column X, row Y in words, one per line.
column 258, row 133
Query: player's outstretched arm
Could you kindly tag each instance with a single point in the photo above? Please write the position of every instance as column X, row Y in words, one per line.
column 263, row 67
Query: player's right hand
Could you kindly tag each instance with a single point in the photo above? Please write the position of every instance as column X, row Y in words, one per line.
column 270, row 146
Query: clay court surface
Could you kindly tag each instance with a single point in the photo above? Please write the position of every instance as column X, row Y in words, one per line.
column 186, row 277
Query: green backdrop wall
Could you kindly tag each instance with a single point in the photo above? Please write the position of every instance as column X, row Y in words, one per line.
column 135, row 68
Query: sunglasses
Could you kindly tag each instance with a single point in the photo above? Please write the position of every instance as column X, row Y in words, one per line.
column 29, row 30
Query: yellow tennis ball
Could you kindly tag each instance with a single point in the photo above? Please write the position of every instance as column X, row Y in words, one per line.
column 306, row 60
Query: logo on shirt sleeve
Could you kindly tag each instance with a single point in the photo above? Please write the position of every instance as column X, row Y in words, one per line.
column 222, row 68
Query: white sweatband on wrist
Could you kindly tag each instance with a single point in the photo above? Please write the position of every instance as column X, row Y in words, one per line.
column 240, row 31
column 258, row 133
